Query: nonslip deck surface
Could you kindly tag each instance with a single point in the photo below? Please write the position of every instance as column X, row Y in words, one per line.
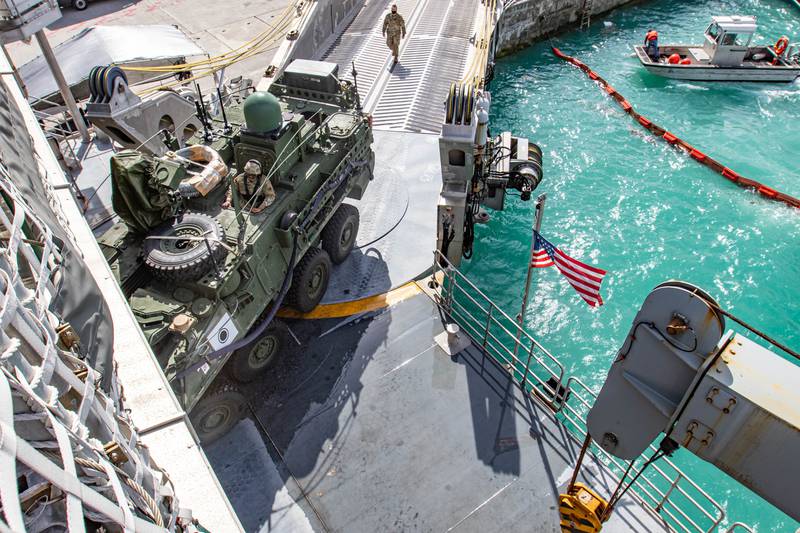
column 371, row 427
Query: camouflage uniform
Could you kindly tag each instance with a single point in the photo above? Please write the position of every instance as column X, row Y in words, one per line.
column 393, row 28
column 252, row 185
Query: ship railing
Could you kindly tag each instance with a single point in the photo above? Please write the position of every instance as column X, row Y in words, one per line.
column 499, row 335
column 664, row 488
column 739, row 526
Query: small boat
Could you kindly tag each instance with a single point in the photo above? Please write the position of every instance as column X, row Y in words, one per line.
column 725, row 55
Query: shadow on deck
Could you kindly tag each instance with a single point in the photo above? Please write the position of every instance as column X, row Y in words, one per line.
column 370, row 426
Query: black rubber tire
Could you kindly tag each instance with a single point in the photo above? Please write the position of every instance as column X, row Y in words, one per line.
column 339, row 235
column 247, row 363
column 217, row 412
column 310, row 280
column 176, row 260
column 80, row 5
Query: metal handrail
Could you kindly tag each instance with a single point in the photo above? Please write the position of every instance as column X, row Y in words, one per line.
column 739, row 525
column 667, row 490
column 647, row 489
column 486, row 334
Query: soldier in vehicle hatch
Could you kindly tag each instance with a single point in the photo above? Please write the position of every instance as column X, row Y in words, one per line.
column 254, row 189
column 394, row 28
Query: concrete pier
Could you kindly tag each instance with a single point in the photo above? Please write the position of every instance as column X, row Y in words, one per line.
column 524, row 22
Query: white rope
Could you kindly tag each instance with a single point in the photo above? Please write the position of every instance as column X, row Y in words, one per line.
column 8, row 465
column 41, row 372
column 74, row 506
column 122, row 500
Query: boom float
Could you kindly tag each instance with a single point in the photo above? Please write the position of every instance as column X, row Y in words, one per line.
column 658, row 131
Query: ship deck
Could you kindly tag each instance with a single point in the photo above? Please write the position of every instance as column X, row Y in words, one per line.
column 368, row 425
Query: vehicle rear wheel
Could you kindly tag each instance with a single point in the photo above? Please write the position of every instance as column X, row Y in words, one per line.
column 247, row 363
column 178, row 252
column 339, row 235
column 80, row 5
column 310, row 280
column 217, row 412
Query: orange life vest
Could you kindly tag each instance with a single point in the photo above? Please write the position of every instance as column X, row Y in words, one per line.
column 651, row 36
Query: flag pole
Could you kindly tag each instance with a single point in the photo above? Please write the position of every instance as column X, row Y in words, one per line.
column 537, row 225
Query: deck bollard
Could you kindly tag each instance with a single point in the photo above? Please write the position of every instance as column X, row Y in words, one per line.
column 452, row 340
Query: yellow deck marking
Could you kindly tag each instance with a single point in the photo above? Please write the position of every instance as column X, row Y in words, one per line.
column 355, row 307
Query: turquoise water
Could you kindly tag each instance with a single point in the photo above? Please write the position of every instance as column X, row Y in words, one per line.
column 624, row 201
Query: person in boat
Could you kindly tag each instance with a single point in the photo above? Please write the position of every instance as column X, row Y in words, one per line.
column 651, row 44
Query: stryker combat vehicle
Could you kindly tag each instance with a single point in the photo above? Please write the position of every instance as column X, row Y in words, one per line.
column 248, row 215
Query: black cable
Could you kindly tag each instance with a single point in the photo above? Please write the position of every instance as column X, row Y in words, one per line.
column 619, row 485
column 660, row 334
column 658, row 454
column 469, row 234
column 387, row 232
column 258, row 330
column 448, row 235
column 498, row 154
column 755, row 331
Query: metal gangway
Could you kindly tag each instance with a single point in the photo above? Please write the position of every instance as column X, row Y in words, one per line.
column 445, row 42
column 665, row 489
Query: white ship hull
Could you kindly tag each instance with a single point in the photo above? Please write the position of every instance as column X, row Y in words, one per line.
column 752, row 72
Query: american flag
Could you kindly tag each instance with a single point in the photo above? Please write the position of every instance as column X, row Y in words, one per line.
column 584, row 278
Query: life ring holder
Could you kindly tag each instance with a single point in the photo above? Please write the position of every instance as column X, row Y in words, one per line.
column 214, row 170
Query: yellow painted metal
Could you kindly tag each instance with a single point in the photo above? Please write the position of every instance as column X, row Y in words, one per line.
column 345, row 309
column 581, row 510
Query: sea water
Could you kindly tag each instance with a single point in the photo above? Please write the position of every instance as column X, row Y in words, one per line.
column 622, row 200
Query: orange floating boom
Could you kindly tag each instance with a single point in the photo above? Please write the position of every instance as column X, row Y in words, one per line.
column 694, row 153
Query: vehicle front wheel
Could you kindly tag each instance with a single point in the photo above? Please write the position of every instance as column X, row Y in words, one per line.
column 220, row 409
column 339, row 235
column 247, row 363
column 80, row 5
column 310, row 280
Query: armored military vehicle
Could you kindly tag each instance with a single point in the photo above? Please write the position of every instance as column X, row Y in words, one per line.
column 249, row 215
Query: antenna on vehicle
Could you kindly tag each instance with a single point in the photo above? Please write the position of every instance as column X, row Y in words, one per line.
column 224, row 115
column 202, row 114
column 355, row 83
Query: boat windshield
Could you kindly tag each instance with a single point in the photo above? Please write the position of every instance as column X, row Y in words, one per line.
column 735, row 39
column 713, row 32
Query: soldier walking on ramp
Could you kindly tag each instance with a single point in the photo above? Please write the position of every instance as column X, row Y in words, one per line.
column 393, row 28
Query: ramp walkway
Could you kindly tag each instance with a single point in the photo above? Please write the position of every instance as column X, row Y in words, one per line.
column 409, row 96
column 407, row 101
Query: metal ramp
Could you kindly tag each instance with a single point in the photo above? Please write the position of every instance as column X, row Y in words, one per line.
column 408, row 96
column 407, row 102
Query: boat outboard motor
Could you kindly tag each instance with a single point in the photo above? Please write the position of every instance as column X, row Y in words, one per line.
column 720, row 395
